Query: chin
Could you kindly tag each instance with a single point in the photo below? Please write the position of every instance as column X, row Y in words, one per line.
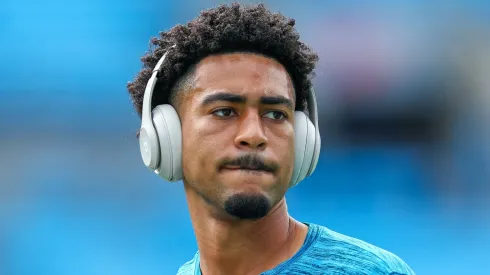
column 248, row 205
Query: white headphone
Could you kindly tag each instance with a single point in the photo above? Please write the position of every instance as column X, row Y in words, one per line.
column 160, row 137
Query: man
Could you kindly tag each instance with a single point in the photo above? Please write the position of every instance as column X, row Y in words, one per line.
column 235, row 77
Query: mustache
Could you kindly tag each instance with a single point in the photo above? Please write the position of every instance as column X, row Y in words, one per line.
column 250, row 161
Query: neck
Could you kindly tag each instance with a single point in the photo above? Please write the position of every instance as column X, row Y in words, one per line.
column 230, row 246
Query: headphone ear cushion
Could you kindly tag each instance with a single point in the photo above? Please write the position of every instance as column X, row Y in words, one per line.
column 316, row 154
column 304, row 147
column 169, row 131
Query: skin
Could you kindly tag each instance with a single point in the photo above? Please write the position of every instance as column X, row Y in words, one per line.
column 217, row 129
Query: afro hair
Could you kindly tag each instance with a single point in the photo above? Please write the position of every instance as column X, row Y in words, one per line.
column 226, row 28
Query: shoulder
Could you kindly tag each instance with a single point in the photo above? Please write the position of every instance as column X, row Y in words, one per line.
column 189, row 267
column 352, row 254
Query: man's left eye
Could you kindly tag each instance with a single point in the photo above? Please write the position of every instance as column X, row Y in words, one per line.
column 275, row 115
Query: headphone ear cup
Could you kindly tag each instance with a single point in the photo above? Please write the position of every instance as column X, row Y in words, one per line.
column 304, row 147
column 169, row 131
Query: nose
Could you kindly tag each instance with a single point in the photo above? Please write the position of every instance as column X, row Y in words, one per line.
column 251, row 134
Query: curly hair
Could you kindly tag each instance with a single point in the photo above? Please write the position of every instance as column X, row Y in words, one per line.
column 226, row 28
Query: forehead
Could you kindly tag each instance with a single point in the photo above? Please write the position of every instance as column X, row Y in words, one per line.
column 244, row 73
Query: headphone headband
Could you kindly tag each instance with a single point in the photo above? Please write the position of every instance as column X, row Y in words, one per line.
column 146, row 112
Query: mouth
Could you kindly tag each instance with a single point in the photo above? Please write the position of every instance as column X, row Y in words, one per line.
column 248, row 169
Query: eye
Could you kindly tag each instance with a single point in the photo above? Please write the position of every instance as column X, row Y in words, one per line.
column 225, row 112
column 275, row 115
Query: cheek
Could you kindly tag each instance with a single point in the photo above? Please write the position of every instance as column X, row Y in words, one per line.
column 199, row 147
column 192, row 146
column 287, row 152
column 285, row 143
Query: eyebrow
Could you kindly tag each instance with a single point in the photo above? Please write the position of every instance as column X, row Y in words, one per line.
column 234, row 98
column 210, row 99
column 276, row 100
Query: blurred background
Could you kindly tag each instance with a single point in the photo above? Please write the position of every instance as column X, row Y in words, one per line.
column 404, row 96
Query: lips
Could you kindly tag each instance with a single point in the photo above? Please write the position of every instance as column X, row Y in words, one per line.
column 246, row 168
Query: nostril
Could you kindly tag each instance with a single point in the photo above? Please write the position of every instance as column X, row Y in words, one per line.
column 244, row 143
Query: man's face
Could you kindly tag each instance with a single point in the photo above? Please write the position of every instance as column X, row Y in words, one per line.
column 238, row 133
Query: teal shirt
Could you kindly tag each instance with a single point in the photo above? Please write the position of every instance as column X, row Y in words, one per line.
column 327, row 252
